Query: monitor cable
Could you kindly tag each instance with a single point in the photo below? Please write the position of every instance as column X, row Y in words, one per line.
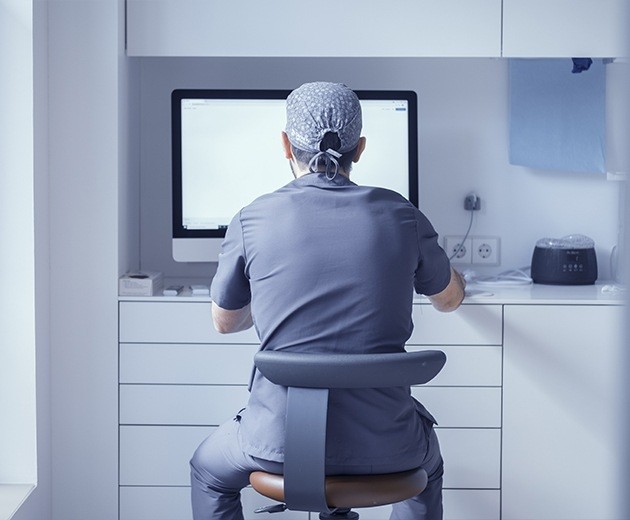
column 511, row 277
column 461, row 244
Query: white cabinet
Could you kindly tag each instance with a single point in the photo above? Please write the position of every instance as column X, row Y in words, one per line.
column 356, row 28
column 328, row 28
column 569, row 28
column 465, row 398
column 525, row 404
column 561, row 451
column 179, row 379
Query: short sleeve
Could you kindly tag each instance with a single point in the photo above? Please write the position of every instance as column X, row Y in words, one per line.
column 230, row 287
column 434, row 268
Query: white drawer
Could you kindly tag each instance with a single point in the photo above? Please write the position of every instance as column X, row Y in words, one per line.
column 472, row 504
column 174, row 322
column 468, row 325
column 467, row 366
column 173, row 503
column 191, row 322
column 371, row 513
column 232, row 364
column 459, row 504
column 472, row 457
column 192, row 405
column 155, row 503
column 462, row 407
column 186, row 364
column 158, row 455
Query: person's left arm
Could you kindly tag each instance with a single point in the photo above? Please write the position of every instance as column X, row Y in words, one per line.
column 230, row 291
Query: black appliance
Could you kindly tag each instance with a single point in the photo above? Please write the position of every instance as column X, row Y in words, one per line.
column 569, row 260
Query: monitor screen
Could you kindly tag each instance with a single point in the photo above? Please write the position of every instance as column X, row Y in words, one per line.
column 227, row 151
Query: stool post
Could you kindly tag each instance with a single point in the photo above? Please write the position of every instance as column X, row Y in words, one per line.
column 305, row 449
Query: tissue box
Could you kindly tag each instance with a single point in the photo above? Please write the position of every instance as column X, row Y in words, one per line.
column 141, row 283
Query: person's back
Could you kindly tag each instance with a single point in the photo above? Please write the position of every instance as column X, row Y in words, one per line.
column 331, row 268
column 324, row 265
column 330, row 265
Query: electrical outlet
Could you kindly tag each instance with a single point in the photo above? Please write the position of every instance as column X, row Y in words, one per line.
column 486, row 250
column 472, row 202
column 453, row 246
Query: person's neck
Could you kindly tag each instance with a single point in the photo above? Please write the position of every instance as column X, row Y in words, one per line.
column 307, row 172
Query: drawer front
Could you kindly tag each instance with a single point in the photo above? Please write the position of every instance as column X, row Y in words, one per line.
column 155, row 503
column 472, row 457
column 468, row 325
column 186, row 364
column 174, row 322
column 193, row 405
column 173, row 503
column 459, row 504
column 462, row 407
column 467, row 366
column 232, row 364
column 191, row 322
column 472, row 504
column 158, row 455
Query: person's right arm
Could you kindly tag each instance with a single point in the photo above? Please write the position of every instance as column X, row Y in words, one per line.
column 435, row 277
column 228, row 321
column 452, row 296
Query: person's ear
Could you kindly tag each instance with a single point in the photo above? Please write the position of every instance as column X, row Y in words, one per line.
column 360, row 148
column 286, row 145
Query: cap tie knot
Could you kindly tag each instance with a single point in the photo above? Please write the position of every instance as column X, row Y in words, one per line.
column 329, row 156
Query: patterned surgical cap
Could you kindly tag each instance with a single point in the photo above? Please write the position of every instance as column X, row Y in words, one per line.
column 317, row 108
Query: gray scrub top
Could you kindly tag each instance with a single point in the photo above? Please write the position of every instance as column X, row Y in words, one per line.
column 329, row 266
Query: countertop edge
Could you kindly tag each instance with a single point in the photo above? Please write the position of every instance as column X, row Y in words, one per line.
column 533, row 294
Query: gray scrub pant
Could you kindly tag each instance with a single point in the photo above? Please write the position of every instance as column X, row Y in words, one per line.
column 220, row 469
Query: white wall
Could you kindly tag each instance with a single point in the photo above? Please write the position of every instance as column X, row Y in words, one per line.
column 463, row 134
column 89, row 154
column 18, row 440
column 624, row 406
column 39, row 503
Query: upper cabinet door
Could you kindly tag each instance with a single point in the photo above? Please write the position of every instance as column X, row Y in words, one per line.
column 565, row 28
column 323, row 28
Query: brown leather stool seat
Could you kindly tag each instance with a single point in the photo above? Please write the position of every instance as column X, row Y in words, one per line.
column 348, row 491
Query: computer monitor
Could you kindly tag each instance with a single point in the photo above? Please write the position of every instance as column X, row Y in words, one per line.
column 227, row 151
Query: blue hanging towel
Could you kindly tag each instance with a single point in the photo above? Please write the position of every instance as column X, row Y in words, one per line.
column 557, row 118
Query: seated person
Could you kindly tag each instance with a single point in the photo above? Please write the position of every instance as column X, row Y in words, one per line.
column 325, row 265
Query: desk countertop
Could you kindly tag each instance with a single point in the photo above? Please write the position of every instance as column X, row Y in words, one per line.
column 535, row 294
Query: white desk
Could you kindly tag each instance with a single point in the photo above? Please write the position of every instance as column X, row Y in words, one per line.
column 500, row 389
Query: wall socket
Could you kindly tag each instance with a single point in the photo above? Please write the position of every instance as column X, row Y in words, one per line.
column 460, row 252
column 474, row 250
column 486, row 250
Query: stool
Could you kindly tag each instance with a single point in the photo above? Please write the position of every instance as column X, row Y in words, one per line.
column 308, row 378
